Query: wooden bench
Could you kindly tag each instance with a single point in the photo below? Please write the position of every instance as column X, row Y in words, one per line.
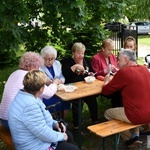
column 112, row 127
column 5, row 135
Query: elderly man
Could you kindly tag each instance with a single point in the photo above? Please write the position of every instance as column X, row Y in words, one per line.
column 133, row 81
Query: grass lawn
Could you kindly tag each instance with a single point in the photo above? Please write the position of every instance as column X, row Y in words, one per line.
column 144, row 40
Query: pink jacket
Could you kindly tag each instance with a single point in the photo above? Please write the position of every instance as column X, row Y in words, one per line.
column 13, row 85
column 99, row 63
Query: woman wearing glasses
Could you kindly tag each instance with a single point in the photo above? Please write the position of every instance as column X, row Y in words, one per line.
column 52, row 69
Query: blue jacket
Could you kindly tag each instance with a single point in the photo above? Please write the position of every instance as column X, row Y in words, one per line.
column 30, row 124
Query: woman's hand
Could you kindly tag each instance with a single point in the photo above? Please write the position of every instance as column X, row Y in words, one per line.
column 57, row 127
column 78, row 69
column 63, row 127
column 65, row 136
column 57, row 81
column 49, row 81
column 92, row 73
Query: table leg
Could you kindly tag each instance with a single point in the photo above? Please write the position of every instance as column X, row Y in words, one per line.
column 79, row 122
column 103, row 140
column 117, row 139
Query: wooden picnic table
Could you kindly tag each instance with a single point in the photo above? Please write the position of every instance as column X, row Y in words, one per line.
column 83, row 90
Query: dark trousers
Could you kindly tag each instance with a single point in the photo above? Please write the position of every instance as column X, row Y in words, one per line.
column 116, row 99
column 92, row 106
column 67, row 145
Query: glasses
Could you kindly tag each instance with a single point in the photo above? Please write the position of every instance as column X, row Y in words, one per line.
column 49, row 59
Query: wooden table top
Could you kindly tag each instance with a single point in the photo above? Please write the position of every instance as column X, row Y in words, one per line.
column 83, row 90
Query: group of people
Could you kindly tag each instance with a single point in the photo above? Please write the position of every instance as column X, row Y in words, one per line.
column 22, row 109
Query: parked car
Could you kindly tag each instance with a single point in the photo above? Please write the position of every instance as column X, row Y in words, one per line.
column 143, row 27
column 114, row 26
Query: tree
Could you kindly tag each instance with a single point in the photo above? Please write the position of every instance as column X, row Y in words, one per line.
column 63, row 22
column 143, row 9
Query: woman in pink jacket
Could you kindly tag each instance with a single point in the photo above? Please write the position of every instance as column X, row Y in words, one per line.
column 29, row 61
column 105, row 62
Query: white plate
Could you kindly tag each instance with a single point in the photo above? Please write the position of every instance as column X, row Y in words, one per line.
column 70, row 88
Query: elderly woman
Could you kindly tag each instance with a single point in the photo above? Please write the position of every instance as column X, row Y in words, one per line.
column 75, row 69
column 29, row 61
column 34, row 125
column 105, row 61
column 52, row 69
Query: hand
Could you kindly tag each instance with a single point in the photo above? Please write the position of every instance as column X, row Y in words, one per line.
column 110, row 68
column 114, row 69
column 62, row 126
column 49, row 81
column 79, row 69
column 57, row 81
column 65, row 136
column 92, row 73
column 107, row 70
column 57, row 127
column 107, row 79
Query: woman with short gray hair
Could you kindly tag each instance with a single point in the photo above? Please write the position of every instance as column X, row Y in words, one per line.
column 52, row 69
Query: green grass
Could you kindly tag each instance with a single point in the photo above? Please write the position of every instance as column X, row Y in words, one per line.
column 144, row 40
column 4, row 74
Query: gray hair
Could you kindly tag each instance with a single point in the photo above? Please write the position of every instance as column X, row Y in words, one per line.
column 48, row 50
column 78, row 46
column 128, row 53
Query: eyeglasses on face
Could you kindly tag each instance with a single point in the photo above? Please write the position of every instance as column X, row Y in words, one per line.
column 49, row 59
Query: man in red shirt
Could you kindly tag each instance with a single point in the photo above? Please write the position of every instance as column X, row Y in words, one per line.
column 133, row 81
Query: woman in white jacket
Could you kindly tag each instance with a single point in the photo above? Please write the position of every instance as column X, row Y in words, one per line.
column 34, row 125
column 52, row 69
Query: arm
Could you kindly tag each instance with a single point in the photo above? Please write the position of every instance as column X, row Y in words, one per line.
column 98, row 66
column 39, row 122
column 49, row 91
column 114, row 84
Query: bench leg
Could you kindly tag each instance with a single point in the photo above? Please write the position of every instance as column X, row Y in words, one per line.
column 116, row 141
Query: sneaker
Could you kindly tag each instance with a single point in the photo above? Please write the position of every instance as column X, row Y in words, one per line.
column 133, row 143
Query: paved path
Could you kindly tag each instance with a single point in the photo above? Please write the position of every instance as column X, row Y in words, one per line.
column 143, row 50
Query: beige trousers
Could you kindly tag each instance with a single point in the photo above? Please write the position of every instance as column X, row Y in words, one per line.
column 119, row 114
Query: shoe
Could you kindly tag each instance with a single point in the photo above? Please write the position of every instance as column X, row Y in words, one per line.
column 133, row 143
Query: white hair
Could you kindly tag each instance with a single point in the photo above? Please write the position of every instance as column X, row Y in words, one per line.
column 48, row 50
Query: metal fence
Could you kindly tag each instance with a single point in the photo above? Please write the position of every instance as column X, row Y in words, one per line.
column 119, row 33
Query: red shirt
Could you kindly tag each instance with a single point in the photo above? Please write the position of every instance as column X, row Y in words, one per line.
column 134, row 84
column 99, row 63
